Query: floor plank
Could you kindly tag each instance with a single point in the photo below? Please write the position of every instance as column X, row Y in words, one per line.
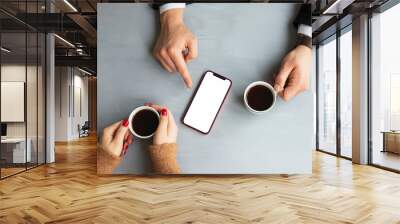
column 69, row 191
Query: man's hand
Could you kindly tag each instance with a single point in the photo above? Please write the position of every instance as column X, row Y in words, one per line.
column 176, row 45
column 294, row 73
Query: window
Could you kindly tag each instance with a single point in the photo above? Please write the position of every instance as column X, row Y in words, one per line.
column 385, row 89
column 334, row 106
column 327, row 97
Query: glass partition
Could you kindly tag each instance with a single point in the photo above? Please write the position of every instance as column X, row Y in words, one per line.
column 22, row 63
column 13, row 105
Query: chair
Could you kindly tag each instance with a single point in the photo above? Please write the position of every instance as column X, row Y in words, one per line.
column 84, row 130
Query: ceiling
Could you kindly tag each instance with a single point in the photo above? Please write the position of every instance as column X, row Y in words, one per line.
column 76, row 22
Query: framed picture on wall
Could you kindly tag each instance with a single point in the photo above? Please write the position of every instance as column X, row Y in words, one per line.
column 12, row 101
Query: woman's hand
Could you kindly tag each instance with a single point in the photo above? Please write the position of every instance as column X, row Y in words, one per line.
column 167, row 131
column 113, row 146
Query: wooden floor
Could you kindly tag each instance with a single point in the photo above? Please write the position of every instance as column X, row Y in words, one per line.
column 5, row 172
column 69, row 191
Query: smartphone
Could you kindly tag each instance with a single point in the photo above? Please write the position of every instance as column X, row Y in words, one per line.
column 207, row 102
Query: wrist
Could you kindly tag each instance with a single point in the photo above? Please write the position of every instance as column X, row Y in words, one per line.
column 172, row 17
column 302, row 46
column 163, row 152
column 105, row 162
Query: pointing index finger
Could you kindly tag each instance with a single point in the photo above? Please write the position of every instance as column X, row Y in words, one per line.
column 182, row 69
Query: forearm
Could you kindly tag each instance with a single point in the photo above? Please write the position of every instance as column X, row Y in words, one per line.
column 163, row 158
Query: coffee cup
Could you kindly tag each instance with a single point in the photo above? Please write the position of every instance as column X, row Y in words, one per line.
column 143, row 121
column 259, row 97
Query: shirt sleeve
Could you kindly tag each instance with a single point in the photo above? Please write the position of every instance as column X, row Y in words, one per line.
column 163, row 158
column 305, row 30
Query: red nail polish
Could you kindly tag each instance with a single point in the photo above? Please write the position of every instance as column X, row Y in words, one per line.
column 164, row 112
column 125, row 123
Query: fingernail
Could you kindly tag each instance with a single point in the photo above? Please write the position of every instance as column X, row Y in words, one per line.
column 125, row 123
column 164, row 112
column 124, row 149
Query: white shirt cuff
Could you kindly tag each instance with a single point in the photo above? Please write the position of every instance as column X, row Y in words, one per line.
column 305, row 30
column 169, row 6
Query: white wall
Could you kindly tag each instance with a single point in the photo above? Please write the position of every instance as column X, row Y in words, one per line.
column 62, row 81
column 69, row 82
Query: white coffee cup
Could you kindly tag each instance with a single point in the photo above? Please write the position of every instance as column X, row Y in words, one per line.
column 133, row 113
column 259, row 83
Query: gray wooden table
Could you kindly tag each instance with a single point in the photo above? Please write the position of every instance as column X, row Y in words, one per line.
column 244, row 42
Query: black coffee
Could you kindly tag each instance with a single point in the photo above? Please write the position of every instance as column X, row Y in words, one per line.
column 260, row 98
column 145, row 122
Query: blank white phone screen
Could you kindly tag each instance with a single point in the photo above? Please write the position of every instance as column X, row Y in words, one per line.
column 207, row 102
